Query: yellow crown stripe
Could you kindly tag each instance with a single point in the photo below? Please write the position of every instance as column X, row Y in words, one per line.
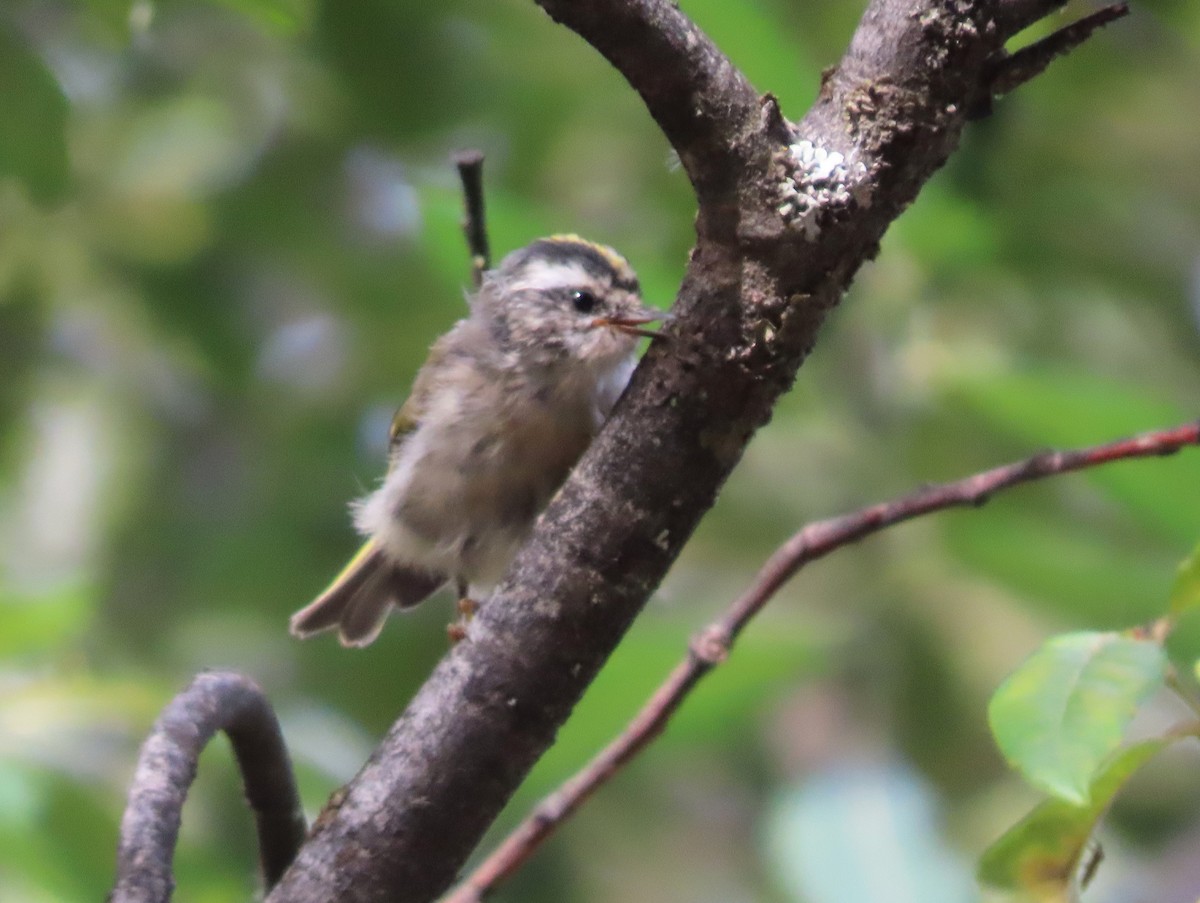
column 615, row 260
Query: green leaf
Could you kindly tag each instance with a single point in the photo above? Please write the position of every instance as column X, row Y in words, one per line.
column 33, row 117
column 1064, row 711
column 1183, row 641
column 1041, row 853
column 1185, row 594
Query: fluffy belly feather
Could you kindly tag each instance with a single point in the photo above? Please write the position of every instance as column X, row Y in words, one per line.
column 461, row 504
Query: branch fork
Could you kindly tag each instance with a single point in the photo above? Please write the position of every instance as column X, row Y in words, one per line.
column 888, row 116
column 681, row 427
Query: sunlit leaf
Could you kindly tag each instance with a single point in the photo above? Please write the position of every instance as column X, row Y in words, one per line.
column 1060, row 715
column 1041, row 853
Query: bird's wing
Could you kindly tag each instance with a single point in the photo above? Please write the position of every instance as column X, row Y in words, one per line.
column 359, row 598
column 408, row 418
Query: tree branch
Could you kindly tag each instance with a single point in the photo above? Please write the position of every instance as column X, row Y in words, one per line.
column 214, row 701
column 1015, row 69
column 785, row 219
column 1014, row 16
column 712, row 645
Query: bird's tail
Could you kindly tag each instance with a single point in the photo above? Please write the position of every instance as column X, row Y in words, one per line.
column 358, row 600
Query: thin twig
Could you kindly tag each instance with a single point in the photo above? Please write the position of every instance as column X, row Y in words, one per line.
column 713, row 644
column 1014, row 16
column 470, row 171
column 214, row 701
column 1014, row 69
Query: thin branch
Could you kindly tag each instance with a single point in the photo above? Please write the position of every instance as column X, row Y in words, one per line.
column 214, row 701
column 1014, row 70
column 470, row 171
column 1014, row 16
column 712, row 646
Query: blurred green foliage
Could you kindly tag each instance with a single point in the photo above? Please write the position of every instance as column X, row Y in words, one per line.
column 228, row 232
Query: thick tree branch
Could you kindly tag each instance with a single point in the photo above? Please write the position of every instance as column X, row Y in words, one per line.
column 785, row 219
column 214, row 701
column 712, row 646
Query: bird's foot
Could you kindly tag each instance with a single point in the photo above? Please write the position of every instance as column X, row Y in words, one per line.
column 457, row 631
column 467, row 607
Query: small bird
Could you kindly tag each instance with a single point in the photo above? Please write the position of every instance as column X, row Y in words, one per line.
column 504, row 406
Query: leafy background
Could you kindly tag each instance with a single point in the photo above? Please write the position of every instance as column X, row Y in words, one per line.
column 228, row 231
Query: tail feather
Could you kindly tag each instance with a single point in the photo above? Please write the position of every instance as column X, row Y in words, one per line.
column 360, row 597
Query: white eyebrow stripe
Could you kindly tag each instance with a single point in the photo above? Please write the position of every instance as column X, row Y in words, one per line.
column 541, row 275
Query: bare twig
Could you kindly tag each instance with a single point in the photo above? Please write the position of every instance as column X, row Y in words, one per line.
column 1014, row 16
column 470, row 171
column 214, row 701
column 712, row 645
column 1014, row 70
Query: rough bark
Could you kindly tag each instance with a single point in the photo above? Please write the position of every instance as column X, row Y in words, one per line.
column 758, row 285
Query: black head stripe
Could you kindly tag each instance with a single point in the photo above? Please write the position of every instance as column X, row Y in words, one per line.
column 596, row 260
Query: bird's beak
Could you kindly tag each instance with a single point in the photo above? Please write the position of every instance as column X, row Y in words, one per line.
column 630, row 324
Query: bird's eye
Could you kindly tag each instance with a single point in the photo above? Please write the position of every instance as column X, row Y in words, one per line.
column 584, row 302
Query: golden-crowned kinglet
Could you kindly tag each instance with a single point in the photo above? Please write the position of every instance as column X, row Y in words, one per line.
column 504, row 406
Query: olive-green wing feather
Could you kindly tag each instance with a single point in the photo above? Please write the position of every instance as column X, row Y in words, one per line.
column 327, row 609
column 359, row 598
column 408, row 418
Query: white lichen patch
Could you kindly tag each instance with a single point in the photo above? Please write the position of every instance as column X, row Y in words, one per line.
column 815, row 184
column 547, row 608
